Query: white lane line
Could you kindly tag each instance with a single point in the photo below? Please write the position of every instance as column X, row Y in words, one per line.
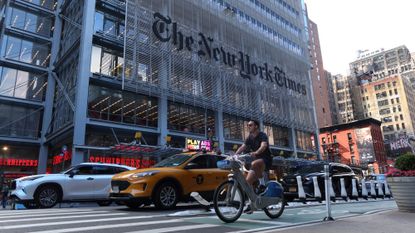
column 173, row 229
column 62, row 217
column 54, row 214
column 109, row 226
column 18, row 212
column 76, row 222
column 264, row 222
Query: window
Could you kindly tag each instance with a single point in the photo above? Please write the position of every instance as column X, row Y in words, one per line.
column 397, row 100
column 397, row 127
column 26, row 51
column 401, row 116
column 202, row 162
column 22, row 84
column 28, row 125
column 32, row 22
column 106, row 62
column 392, row 101
column 323, row 140
column 396, row 91
column 399, row 108
column 48, row 4
column 349, row 136
column 403, row 125
column 122, row 106
column 84, row 170
column 390, row 92
column 103, row 170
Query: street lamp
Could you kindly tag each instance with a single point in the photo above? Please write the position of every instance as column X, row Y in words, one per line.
column 5, row 148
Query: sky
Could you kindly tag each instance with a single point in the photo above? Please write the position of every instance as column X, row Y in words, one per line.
column 346, row 26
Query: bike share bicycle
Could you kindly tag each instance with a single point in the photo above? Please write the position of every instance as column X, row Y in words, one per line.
column 229, row 198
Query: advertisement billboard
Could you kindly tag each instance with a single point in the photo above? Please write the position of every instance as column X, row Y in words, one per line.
column 402, row 145
column 364, row 143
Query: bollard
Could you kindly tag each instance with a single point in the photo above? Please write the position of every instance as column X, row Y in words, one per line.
column 380, row 189
column 343, row 192
column 387, row 191
column 328, row 188
column 355, row 194
column 317, row 193
column 372, row 189
column 332, row 193
column 364, row 190
column 301, row 193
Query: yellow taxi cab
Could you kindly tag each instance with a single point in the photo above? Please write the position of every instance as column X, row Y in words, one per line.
column 170, row 181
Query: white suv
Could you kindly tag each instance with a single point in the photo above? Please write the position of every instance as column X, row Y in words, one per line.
column 83, row 182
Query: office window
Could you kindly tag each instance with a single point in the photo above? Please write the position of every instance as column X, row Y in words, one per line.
column 397, row 127
column 396, row 91
column 403, row 125
column 31, row 22
column 26, row 51
column 401, row 116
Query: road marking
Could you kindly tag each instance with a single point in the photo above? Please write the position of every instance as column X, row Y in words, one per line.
column 173, row 229
column 101, row 227
column 76, row 222
column 17, row 212
column 62, row 217
column 264, row 222
column 54, row 214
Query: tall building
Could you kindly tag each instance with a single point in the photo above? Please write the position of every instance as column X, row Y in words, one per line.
column 342, row 89
column 390, row 100
column 318, row 78
column 331, row 98
column 384, row 90
column 77, row 78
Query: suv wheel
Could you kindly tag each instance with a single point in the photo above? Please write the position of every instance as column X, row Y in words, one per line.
column 47, row 196
column 166, row 196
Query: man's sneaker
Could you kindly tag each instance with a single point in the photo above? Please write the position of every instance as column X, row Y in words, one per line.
column 248, row 210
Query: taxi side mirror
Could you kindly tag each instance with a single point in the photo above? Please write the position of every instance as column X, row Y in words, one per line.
column 192, row 166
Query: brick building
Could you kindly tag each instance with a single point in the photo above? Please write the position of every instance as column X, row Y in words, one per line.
column 357, row 143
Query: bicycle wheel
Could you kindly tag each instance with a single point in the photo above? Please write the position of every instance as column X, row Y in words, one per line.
column 275, row 211
column 228, row 201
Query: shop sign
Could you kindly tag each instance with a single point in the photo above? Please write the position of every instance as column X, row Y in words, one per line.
column 132, row 162
column 166, row 30
column 19, row 162
column 196, row 145
column 64, row 156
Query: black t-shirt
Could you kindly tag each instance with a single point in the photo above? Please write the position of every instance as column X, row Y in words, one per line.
column 254, row 143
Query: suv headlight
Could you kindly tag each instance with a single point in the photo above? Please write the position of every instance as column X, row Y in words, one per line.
column 144, row 174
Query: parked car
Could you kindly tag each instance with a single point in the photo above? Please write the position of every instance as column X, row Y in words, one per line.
column 307, row 172
column 84, row 182
column 170, row 181
column 376, row 178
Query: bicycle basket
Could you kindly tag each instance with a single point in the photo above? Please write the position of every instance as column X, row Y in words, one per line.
column 274, row 189
column 224, row 164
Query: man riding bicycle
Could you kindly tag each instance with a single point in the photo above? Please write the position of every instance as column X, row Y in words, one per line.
column 257, row 144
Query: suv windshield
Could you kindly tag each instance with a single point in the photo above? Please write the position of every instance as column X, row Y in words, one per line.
column 173, row 161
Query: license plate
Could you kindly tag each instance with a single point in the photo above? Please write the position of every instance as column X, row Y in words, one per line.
column 292, row 189
column 115, row 189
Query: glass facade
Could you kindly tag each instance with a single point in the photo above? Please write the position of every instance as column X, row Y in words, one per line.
column 22, row 84
column 29, row 21
column 278, row 136
column 189, row 119
column 234, row 127
column 121, row 106
column 17, row 121
column 106, row 62
column 26, row 51
column 304, row 140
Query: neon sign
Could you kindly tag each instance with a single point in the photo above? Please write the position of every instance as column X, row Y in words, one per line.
column 195, row 144
column 19, row 162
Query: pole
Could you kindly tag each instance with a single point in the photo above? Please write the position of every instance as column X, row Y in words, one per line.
column 328, row 203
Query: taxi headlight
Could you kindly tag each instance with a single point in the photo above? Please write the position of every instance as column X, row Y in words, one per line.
column 144, row 174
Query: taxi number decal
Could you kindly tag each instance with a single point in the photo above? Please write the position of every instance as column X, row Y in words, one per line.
column 199, row 179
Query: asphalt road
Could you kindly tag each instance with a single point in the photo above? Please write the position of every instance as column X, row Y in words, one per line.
column 183, row 219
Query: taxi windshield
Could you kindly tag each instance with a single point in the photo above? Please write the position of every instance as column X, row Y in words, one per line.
column 173, row 161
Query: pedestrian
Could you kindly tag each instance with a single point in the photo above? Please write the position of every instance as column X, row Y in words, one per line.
column 5, row 194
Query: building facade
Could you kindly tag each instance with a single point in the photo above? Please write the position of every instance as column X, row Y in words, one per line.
column 80, row 76
column 331, row 98
column 343, row 90
column 318, row 78
column 357, row 143
column 390, row 100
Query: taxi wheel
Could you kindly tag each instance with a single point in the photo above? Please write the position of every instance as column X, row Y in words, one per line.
column 166, row 196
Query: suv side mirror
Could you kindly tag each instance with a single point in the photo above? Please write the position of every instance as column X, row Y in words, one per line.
column 192, row 166
column 71, row 174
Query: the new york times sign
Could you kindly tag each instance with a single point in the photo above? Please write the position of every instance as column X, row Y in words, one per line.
column 167, row 31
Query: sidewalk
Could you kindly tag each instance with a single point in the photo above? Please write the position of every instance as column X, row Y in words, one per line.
column 391, row 221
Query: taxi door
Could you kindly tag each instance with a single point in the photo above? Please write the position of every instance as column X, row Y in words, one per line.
column 200, row 177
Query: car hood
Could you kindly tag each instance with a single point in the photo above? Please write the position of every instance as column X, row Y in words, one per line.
column 40, row 176
column 127, row 174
